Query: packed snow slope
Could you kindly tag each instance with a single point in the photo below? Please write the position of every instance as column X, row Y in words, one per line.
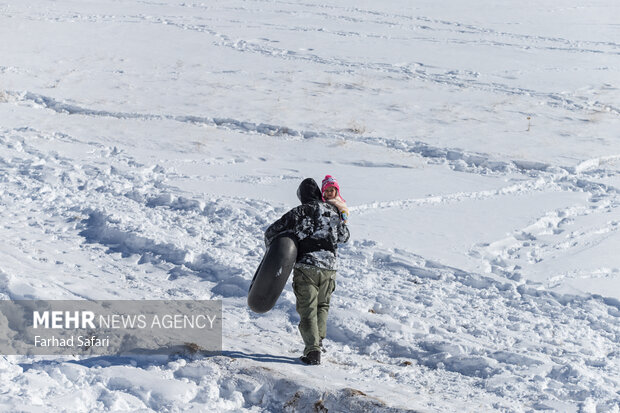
column 146, row 145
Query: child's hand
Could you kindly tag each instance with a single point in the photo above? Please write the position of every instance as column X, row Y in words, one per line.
column 342, row 207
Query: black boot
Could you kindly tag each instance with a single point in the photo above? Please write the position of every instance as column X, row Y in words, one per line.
column 323, row 349
column 313, row 358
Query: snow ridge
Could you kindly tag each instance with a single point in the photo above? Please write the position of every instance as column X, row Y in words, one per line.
column 458, row 159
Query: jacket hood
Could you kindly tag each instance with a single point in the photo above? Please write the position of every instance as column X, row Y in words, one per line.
column 308, row 191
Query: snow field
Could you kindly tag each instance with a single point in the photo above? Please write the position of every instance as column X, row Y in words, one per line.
column 145, row 147
column 503, row 340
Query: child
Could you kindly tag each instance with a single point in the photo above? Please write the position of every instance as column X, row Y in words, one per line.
column 331, row 194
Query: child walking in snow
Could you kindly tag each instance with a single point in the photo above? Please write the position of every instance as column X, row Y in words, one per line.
column 318, row 227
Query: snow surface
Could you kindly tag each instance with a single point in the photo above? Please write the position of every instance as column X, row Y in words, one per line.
column 145, row 145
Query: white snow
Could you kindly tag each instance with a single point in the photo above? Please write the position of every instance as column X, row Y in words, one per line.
column 146, row 145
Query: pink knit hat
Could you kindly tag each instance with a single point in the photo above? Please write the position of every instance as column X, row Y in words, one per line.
column 328, row 182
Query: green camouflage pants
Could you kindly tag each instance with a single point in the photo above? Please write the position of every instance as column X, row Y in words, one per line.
column 313, row 288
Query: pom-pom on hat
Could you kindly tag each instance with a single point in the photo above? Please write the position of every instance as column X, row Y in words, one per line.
column 328, row 182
